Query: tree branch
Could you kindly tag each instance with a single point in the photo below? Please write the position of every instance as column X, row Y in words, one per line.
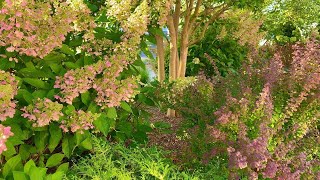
column 196, row 13
column 176, row 15
column 210, row 21
column 160, row 55
column 173, row 49
column 207, row 12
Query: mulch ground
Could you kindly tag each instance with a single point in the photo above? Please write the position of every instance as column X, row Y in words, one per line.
column 168, row 141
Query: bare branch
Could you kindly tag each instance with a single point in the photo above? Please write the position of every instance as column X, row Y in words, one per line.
column 214, row 17
column 196, row 11
column 207, row 12
column 176, row 16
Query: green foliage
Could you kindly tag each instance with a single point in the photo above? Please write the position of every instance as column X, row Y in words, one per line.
column 115, row 161
column 290, row 21
column 45, row 151
column 15, row 170
column 216, row 168
column 226, row 53
column 110, row 161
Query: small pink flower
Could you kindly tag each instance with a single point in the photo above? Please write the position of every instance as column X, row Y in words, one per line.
column 10, row 49
column 5, row 133
column 108, row 64
column 18, row 14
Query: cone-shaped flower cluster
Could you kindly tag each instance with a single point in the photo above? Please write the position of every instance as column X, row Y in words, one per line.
column 8, row 89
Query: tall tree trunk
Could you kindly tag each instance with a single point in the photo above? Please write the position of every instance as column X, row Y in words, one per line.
column 160, row 56
column 183, row 57
column 185, row 40
column 173, row 56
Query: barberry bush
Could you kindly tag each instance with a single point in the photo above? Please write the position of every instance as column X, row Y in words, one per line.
column 65, row 68
column 265, row 117
column 272, row 124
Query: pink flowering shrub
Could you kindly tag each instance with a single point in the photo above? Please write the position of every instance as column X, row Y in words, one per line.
column 36, row 28
column 66, row 69
column 265, row 118
column 271, row 122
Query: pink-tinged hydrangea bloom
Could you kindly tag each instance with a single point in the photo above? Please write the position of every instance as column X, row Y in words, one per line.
column 42, row 112
column 162, row 7
column 111, row 89
column 78, row 121
column 35, row 28
column 8, row 89
column 133, row 23
column 5, row 133
column 77, row 81
column 110, row 94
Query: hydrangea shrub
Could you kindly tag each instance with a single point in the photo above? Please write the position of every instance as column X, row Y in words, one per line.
column 64, row 70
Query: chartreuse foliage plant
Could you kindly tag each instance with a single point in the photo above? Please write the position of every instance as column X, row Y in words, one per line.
column 115, row 161
column 67, row 69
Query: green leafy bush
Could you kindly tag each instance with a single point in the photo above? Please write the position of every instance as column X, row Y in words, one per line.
column 225, row 52
column 66, row 70
column 115, row 161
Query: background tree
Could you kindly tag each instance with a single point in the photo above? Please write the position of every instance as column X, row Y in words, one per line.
column 290, row 20
column 226, row 44
column 188, row 22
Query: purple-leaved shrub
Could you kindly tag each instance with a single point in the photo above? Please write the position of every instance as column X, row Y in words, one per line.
column 265, row 117
column 271, row 121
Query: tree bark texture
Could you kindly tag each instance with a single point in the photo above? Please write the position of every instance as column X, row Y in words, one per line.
column 160, row 56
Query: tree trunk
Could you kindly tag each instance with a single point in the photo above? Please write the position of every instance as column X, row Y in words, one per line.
column 173, row 50
column 183, row 57
column 160, row 55
column 184, row 42
column 173, row 57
